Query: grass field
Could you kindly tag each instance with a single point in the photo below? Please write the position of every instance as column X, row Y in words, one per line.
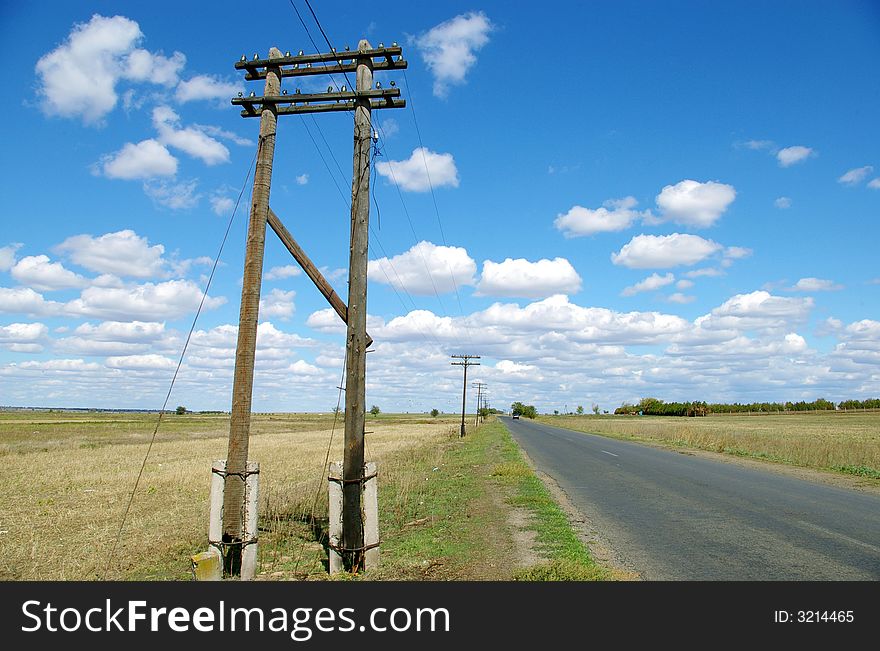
column 446, row 504
column 67, row 477
column 842, row 442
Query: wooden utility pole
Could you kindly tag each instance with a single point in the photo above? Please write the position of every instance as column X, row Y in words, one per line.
column 479, row 386
column 273, row 103
column 356, row 334
column 466, row 361
column 245, row 350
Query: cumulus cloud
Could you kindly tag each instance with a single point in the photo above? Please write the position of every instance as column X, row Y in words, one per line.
column 422, row 170
column 124, row 331
column 7, row 256
column 188, row 139
column 449, row 49
column 144, row 160
column 206, row 87
column 815, row 285
column 38, row 272
column 123, row 253
column 758, row 310
column 169, row 300
column 24, row 300
column 874, row 184
column 681, row 299
column 278, row 303
column 148, row 362
column 302, row 179
column 856, row 176
column 788, row 156
column 425, row 268
column 649, row 284
column 783, row 203
column 279, row 273
column 23, row 337
column 664, row 251
column 177, row 196
column 613, row 215
column 692, row 203
column 79, row 77
column 684, row 284
column 520, row 277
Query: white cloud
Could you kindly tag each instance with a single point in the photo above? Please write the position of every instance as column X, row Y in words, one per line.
column 681, row 299
column 144, row 160
column 24, row 300
column 169, row 300
column 141, row 65
column 422, row 170
column 684, row 284
column 783, row 203
column 123, row 331
column 815, row 285
column 663, row 251
column 7, row 256
column 79, row 77
column 649, row 284
column 123, row 253
column 874, row 184
column 279, row 273
column 425, row 268
column 208, row 87
column 38, row 272
column 696, row 204
column 856, row 176
column 759, row 310
column 449, row 48
column 759, row 144
column 519, row 277
column 23, row 337
column 149, row 362
column 737, row 252
column 277, row 303
column 188, row 139
column 708, row 272
column 177, row 196
column 614, row 215
column 222, row 205
column 796, row 154
column 302, row 179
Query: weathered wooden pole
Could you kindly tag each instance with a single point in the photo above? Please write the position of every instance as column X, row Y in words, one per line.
column 356, row 335
column 243, row 382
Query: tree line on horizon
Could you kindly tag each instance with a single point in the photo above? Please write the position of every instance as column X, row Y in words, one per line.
column 657, row 407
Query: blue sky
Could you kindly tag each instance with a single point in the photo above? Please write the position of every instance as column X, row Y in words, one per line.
column 671, row 199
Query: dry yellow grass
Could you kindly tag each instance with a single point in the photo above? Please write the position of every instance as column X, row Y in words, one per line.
column 66, row 479
column 848, row 442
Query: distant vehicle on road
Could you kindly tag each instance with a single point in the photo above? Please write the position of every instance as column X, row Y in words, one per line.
column 516, row 417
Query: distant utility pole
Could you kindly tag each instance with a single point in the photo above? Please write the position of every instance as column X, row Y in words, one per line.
column 479, row 386
column 273, row 103
column 466, row 361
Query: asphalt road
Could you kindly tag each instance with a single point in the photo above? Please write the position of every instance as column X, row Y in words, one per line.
column 671, row 516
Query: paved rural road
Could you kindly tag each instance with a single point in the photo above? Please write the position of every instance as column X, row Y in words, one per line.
column 672, row 516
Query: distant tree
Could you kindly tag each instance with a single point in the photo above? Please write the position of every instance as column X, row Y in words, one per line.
column 180, row 411
column 375, row 410
column 435, row 412
column 519, row 409
column 580, row 410
column 595, row 409
column 555, row 412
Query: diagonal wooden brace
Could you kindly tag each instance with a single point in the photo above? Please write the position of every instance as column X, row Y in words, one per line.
column 311, row 270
